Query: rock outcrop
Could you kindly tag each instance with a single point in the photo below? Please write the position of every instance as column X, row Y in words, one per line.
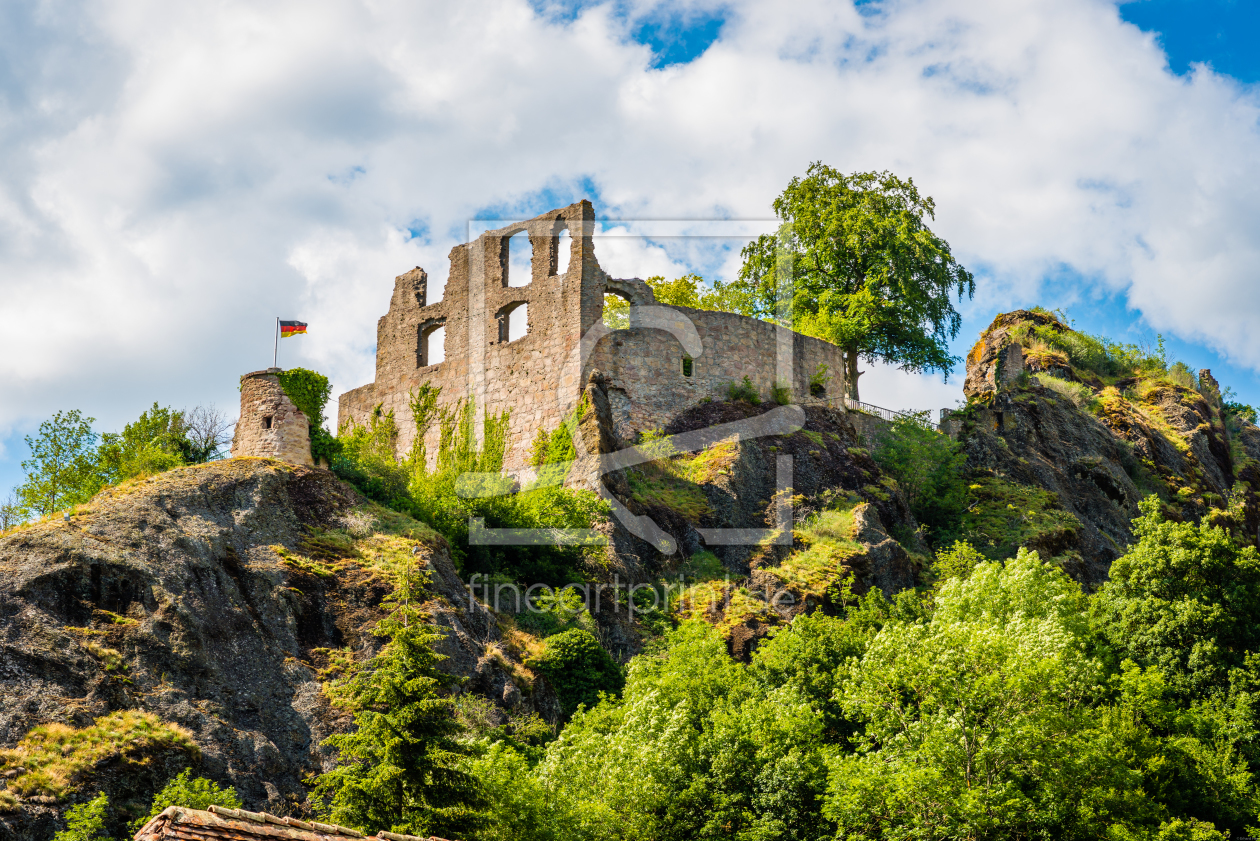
column 1101, row 441
column 211, row 597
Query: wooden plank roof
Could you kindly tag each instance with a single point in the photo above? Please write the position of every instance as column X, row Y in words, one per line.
column 219, row 824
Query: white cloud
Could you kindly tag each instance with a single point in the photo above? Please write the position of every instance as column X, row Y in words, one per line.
column 174, row 176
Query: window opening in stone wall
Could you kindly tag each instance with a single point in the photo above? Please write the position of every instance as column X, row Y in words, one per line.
column 687, row 363
column 266, row 421
column 520, row 260
column 564, row 248
column 616, row 311
column 517, row 322
column 433, row 346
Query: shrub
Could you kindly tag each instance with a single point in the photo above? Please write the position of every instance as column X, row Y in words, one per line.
column 957, row 561
column 578, row 668
column 781, row 393
column 86, row 822
column 1179, row 373
column 818, row 381
column 928, row 467
column 745, row 391
column 191, row 793
column 1082, row 396
column 466, row 483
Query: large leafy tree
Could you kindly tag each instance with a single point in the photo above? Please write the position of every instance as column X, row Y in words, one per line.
column 1185, row 598
column 400, row 769
column 855, row 263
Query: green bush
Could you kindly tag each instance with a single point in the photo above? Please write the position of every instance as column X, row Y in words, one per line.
column 1179, row 373
column 309, row 390
column 191, row 793
column 743, row 391
column 927, row 465
column 465, row 482
column 578, row 668
column 86, row 822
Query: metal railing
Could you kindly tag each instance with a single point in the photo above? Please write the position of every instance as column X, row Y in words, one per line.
column 852, row 405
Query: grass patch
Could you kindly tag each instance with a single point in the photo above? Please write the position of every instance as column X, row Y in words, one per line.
column 830, row 541
column 1081, row 395
column 711, row 462
column 1003, row 516
column 300, row 563
column 110, row 658
column 57, row 757
column 724, row 606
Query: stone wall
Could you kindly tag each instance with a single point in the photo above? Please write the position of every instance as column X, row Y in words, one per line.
column 648, row 383
column 540, row 376
column 270, row 425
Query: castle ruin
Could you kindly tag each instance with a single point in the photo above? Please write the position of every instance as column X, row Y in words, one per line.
column 668, row 359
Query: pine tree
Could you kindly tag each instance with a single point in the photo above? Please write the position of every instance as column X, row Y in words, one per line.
column 399, row 768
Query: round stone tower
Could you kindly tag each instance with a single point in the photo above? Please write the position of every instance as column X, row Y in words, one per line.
column 270, row 425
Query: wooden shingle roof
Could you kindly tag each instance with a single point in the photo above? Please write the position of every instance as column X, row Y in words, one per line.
column 219, row 824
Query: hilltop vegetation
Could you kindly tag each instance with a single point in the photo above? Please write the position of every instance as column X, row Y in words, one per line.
column 930, row 654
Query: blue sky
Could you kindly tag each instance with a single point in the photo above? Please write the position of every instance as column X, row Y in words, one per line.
column 167, row 188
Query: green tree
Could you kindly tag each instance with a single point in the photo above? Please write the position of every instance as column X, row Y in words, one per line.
column 86, row 822
column 1185, row 598
column 928, row 468
column 11, row 512
column 854, row 263
column 189, row 792
column 690, row 290
column 154, row 442
column 578, row 668
column 400, row 769
column 62, row 470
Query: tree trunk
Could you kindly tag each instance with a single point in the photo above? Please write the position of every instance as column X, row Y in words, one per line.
column 851, row 373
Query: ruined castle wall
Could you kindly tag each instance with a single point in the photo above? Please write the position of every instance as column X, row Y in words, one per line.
column 536, row 377
column 270, row 425
column 648, row 386
column 539, row 377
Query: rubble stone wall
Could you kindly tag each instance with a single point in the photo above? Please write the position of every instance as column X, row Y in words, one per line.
column 540, row 377
column 270, row 425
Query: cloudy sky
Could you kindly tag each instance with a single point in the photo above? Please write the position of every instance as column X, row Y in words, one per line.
column 173, row 176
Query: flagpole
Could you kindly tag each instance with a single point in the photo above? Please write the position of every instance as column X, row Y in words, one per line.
column 275, row 356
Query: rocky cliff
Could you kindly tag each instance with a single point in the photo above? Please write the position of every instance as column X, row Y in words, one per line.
column 1093, row 427
column 209, row 598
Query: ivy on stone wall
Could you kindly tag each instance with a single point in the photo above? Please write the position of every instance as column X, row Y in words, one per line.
column 309, row 390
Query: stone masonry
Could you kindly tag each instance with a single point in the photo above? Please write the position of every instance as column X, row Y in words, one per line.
column 270, row 425
column 668, row 359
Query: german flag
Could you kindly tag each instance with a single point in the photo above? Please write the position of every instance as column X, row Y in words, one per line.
column 291, row 328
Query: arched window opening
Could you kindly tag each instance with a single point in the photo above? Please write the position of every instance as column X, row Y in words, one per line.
column 616, row 311
column 432, row 350
column 688, row 365
column 564, row 247
column 517, row 322
column 520, row 269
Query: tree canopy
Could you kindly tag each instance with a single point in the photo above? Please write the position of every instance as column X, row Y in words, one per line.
column 854, row 263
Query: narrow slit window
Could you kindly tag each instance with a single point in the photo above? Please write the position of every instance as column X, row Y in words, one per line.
column 687, row 366
column 564, row 247
column 266, row 421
